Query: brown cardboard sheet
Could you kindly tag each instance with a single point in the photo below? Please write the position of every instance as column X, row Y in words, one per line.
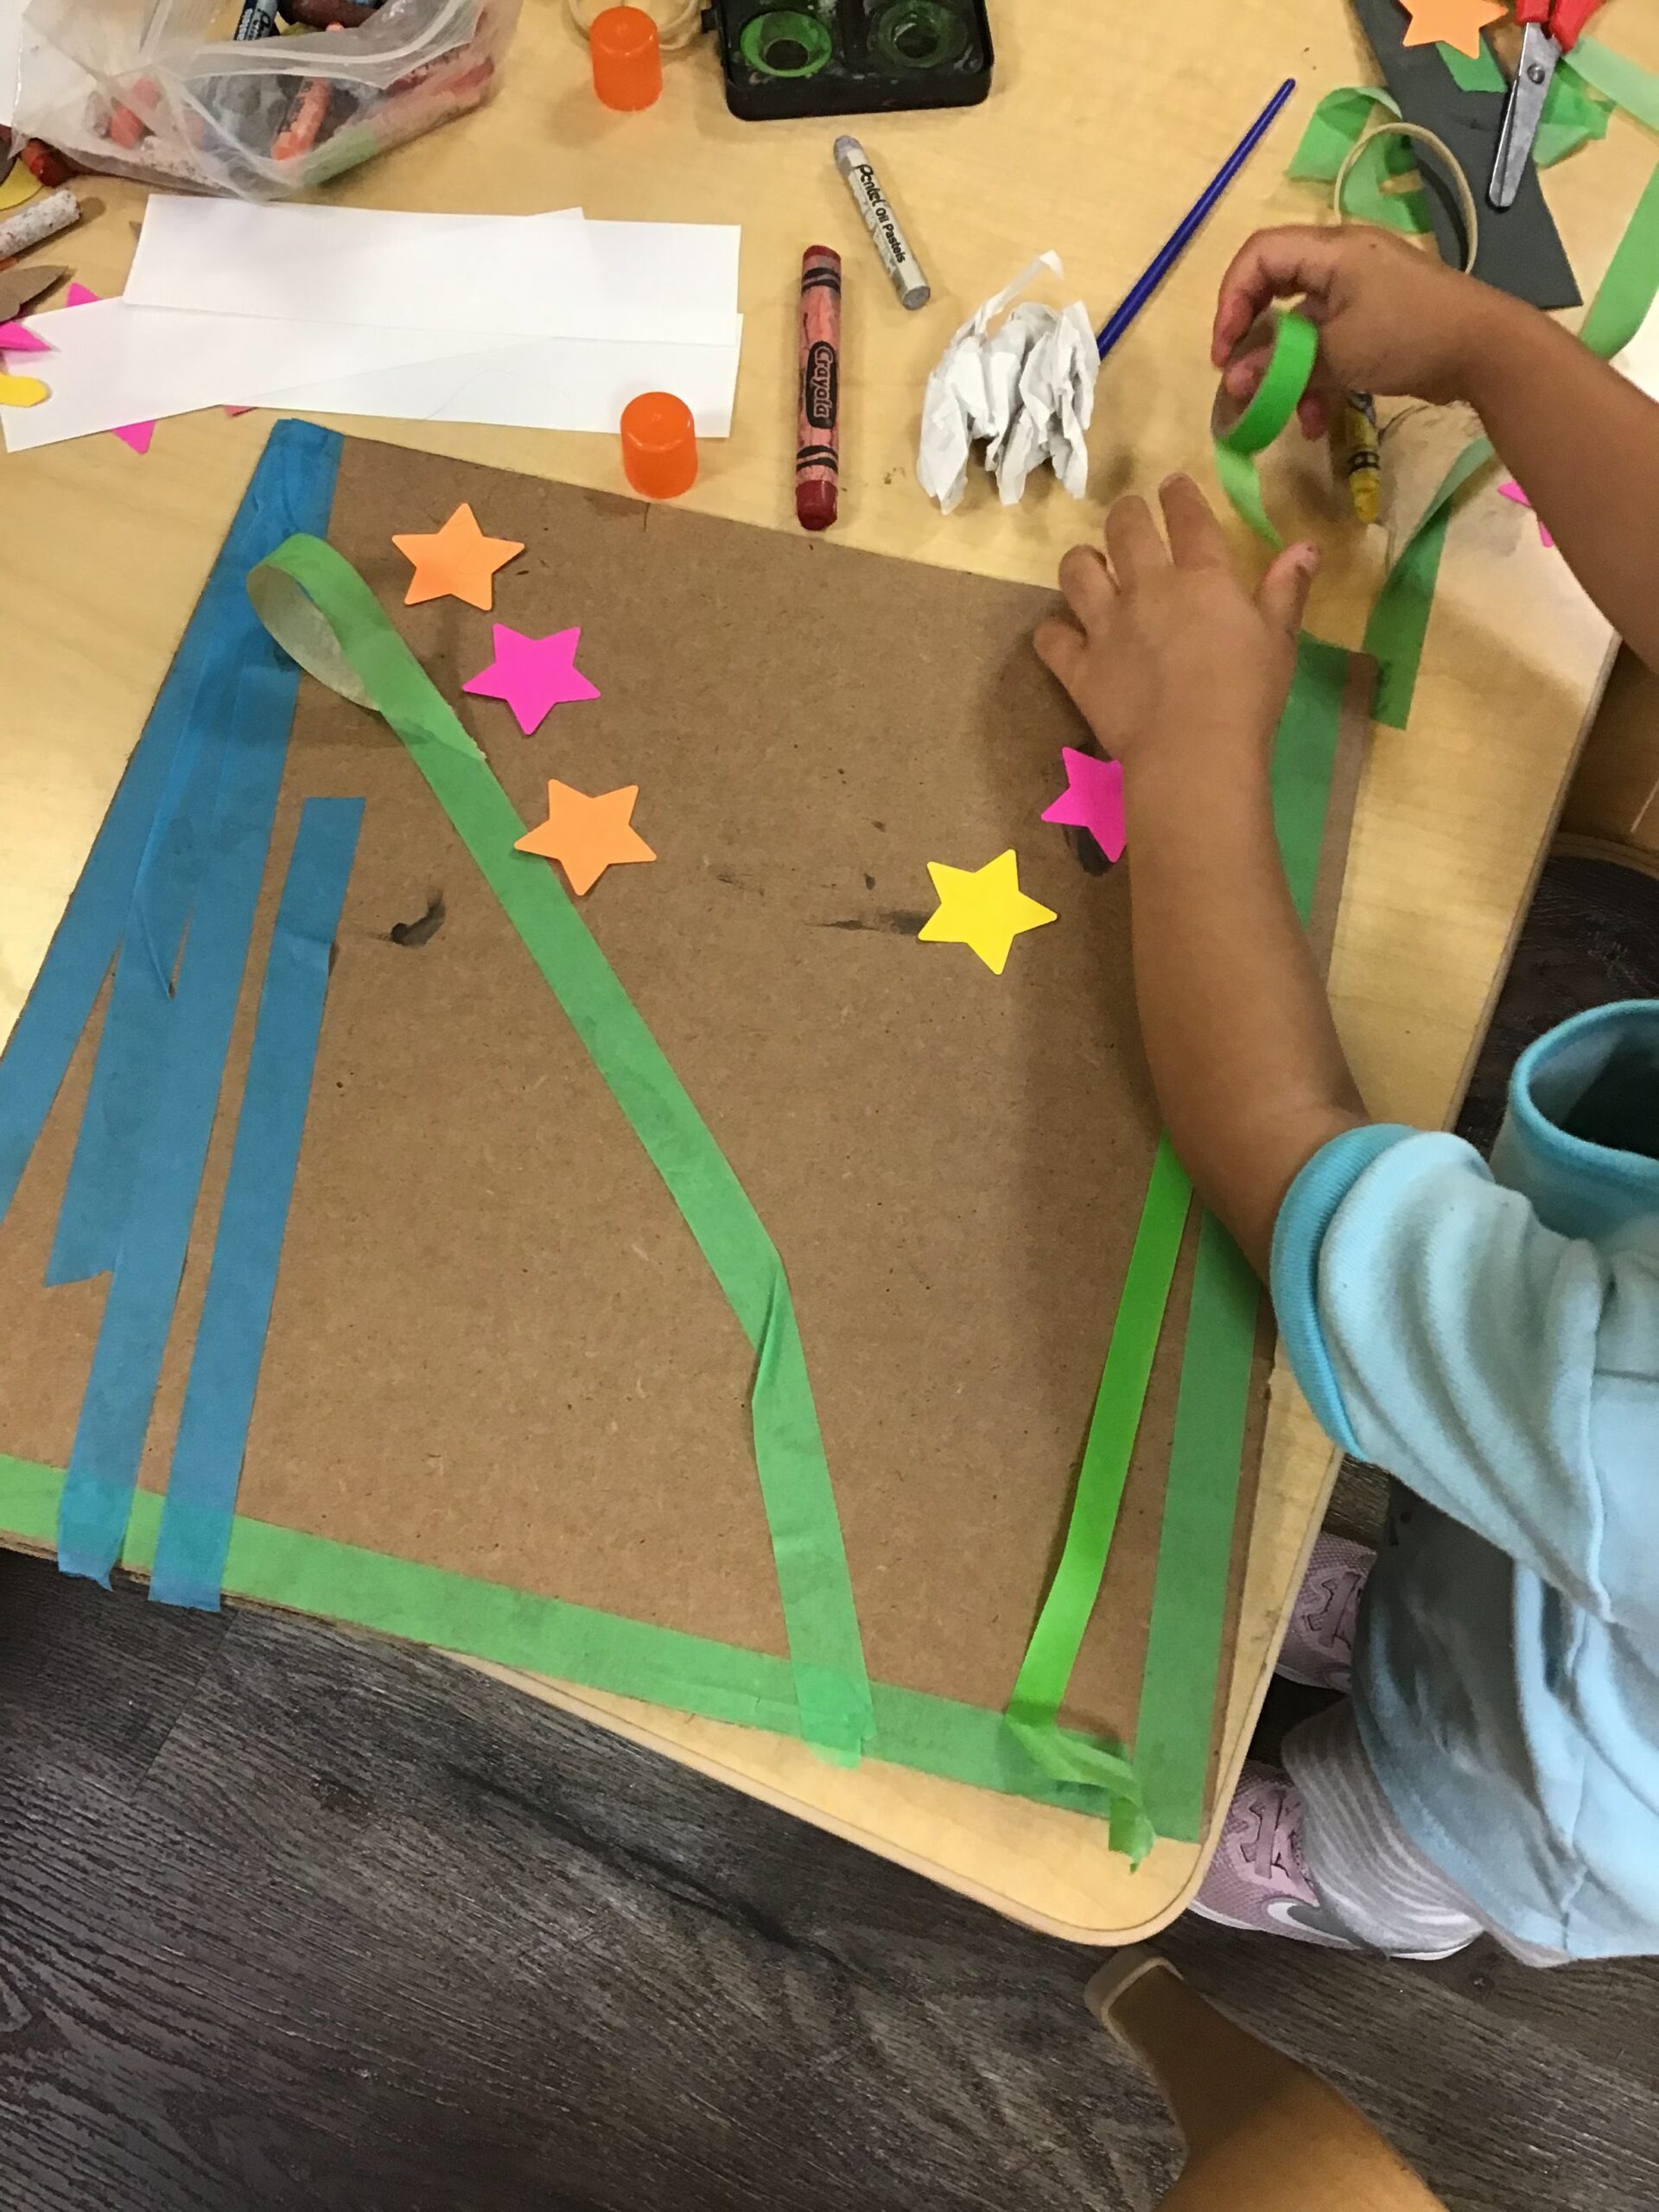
column 495, row 1347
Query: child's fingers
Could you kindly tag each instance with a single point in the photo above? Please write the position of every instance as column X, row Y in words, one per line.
column 1314, row 413
column 1132, row 541
column 1282, row 593
column 1087, row 582
column 1195, row 538
column 1061, row 647
column 1242, row 378
column 1271, row 265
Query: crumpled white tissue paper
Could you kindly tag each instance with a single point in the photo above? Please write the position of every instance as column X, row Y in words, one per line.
column 1026, row 390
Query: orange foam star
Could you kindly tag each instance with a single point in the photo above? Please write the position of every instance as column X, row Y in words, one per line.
column 587, row 834
column 1455, row 23
column 457, row 561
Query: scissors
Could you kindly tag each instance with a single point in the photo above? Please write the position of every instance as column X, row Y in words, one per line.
column 1552, row 30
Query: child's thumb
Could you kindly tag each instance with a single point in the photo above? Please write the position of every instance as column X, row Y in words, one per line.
column 1282, row 593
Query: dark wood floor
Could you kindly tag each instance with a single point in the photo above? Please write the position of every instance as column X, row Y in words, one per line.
column 294, row 1922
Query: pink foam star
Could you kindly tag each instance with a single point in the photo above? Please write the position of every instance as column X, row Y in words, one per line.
column 18, row 338
column 533, row 675
column 136, row 435
column 1092, row 800
column 1512, row 490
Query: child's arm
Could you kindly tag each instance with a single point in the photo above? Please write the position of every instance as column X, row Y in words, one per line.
column 1581, row 439
column 1183, row 677
column 1507, row 1373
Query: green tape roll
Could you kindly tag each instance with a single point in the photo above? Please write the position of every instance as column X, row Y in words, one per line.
column 320, row 610
column 1289, row 371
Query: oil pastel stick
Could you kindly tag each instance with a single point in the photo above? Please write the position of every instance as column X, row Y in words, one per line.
column 909, row 280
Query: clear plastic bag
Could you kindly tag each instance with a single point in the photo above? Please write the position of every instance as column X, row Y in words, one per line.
column 144, row 88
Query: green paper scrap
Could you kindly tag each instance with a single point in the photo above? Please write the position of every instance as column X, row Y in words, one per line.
column 1626, row 83
column 318, row 607
column 1290, row 366
column 1334, row 125
column 1572, row 117
column 1055, row 1642
column 1399, row 621
column 603, row 1651
column 1339, row 120
column 1473, row 72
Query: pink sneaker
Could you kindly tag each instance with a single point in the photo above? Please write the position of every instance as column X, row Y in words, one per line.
column 1318, row 1646
column 1258, row 1878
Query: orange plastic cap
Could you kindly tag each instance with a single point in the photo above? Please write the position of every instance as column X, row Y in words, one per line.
column 627, row 58
column 659, row 442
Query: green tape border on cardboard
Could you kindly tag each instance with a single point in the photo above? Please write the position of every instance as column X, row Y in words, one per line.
column 1189, row 1604
column 603, row 1651
column 1189, row 1611
column 320, row 610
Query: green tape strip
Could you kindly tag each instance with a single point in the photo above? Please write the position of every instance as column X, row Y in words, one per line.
column 1399, row 623
column 318, row 607
column 544, row 1636
column 1195, row 1554
column 1290, row 366
column 1627, row 291
column 1398, row 626
column 1055, row 1642
column 1629, row 87
column 1473, row 72
column 1175, row 1726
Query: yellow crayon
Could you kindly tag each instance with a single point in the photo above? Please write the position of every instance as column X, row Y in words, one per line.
column 1362, row 455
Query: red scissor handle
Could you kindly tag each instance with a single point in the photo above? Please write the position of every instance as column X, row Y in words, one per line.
column 1562, row 19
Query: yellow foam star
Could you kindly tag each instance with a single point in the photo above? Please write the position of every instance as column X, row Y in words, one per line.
column 983, row 908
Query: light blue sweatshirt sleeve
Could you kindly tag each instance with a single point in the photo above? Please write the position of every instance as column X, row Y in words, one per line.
column 1506, row 1373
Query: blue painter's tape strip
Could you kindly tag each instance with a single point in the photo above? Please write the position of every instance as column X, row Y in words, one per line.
column 47, row 1030
column 184, row 1079
column 201, row 1502
column 297, row 466
column 133, row 1039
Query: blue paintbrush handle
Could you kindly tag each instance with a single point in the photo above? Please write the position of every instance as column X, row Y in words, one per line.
column 1177, row 244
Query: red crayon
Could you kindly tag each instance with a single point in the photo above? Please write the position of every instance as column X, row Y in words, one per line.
column 817, row 458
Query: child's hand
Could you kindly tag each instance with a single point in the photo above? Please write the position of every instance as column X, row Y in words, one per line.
column 1171, row 656
column 1391, row 319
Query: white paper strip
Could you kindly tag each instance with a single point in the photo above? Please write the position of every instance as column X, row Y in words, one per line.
column 548, row 384
column 517, row 275
column 112, row 363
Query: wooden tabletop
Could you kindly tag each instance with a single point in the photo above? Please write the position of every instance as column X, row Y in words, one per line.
column 1104, row 124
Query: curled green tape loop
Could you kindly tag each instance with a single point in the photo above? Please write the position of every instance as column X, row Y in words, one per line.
column 1288, row 373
